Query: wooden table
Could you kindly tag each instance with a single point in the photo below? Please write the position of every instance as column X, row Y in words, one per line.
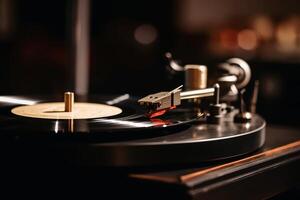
column 264, row 174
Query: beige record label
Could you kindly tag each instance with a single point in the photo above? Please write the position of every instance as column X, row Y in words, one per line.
column 56, row 110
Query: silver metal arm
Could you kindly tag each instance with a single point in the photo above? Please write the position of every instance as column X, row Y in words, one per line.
column 171, row 99
column 197, row 93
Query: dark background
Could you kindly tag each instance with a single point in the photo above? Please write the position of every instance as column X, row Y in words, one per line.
column 35, row 46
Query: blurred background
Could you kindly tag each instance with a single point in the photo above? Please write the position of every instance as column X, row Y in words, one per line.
column 128, row 40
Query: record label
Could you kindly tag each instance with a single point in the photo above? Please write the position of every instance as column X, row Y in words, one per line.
column 55, row 110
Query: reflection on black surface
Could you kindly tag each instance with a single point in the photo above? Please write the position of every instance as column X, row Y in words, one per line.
column 207, row 132
column 16, row 100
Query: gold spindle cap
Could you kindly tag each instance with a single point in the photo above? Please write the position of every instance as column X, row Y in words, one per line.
column 69, row 101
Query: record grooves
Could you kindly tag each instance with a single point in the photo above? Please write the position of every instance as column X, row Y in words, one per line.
column 128, row 139
column 130, row 123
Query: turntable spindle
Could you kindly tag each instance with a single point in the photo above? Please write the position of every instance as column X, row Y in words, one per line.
column 69, row 101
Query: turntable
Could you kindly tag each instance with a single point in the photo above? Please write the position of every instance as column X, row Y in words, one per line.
column 184, row 126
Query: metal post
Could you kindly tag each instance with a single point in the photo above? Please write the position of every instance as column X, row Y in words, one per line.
column 81, row 39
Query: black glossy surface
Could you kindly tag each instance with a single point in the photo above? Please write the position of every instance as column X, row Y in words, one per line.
column 128, row 124
column 199, row 143
column 129, row 139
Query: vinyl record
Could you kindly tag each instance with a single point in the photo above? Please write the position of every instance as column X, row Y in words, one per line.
column 127, row 139
column 130, row 123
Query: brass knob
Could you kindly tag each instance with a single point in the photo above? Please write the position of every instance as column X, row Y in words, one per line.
column 195, row 77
